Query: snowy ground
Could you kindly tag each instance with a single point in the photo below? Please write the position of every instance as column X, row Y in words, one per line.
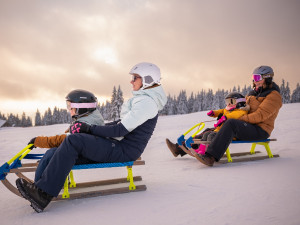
column 180, row 190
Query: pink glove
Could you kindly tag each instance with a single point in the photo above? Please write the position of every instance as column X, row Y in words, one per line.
column 220, row 121
column 211, row 113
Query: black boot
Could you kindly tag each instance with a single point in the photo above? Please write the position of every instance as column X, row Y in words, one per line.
column 174, row 148
column 38, row 198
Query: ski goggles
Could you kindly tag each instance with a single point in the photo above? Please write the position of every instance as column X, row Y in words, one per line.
column 134, row 78
column 89, row 105
column 259, row 77
column 234, row 101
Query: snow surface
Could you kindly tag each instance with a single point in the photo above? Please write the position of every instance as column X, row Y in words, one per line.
column 179, row 190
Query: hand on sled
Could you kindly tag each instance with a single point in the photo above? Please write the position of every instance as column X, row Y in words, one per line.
column 32, row 142
column 80, row 127
column 220, row 121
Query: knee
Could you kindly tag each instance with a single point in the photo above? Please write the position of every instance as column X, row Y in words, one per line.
column 72, row 142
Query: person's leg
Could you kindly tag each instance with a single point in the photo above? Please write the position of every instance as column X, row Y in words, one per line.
column 43, row 163
column 174, row 148
column 205, row 135
column 91, row 147
column 234, row 128
column 211, row 136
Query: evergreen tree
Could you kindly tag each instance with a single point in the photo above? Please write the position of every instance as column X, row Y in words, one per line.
column 182, row 104
column 120, row 100
column 38, row 119
column 23, row 120
column 56, row 116
column 114, row 105
column 47, row 119
column 208, row 100
column 296, row 94
column 285, row 92
column 190, row 103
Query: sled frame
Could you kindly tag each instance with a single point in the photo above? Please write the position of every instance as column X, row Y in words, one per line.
column 16, row 167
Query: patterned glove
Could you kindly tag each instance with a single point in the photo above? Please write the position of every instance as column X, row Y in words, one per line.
column 79, row 127
column 220, row 121
column 211, row 113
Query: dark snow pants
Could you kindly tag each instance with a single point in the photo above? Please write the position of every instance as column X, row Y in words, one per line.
column 73, row 147
column 43, row 163
column 234, row 128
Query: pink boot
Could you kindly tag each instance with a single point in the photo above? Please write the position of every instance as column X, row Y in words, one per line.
column 201, row 149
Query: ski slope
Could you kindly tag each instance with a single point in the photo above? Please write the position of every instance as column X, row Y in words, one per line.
column 180, row 190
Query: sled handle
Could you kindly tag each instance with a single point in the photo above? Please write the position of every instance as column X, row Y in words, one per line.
column 182, row 139
column 23, row 152
column 190, row 140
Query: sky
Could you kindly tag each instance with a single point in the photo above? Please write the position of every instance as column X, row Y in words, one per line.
column 49, row 48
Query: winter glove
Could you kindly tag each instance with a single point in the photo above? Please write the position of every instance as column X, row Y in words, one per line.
column 220, row 121
column 79, row 127
column 32, row 142
column 219, row 116
column 211, row 113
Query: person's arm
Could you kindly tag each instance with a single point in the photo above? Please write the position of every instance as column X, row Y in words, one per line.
column 141, row 110
column 270, row 105
column 49, row 142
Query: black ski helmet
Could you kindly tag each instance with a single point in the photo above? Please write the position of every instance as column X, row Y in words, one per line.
column 266, row 72
column 84, row 101
column 240, row 99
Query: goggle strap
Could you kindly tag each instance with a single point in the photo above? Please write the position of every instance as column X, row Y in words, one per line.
column 240, row 100
column 83, row 105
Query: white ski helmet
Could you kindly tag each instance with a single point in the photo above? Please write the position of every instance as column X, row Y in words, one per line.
column 149, row 73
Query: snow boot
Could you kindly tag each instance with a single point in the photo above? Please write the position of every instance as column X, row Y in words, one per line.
column 206, row 159
column 201, row 149
column 38, row 198
column 174, row 148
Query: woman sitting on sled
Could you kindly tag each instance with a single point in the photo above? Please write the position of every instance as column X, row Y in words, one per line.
column 98, row 143
column 265, row 101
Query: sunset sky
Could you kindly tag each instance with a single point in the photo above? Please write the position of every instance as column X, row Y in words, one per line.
column 48, row 48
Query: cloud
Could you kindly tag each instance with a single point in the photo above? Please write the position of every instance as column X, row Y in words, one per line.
column 54, row 46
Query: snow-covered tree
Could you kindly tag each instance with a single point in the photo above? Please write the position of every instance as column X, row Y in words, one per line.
column 182, row 104
column 296, row 94
column 120, row 101
column 38, row 119
column 285, row 92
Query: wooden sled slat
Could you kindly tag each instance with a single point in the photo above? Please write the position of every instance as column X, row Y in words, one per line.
column 247, row 159
column 105, row 182
column 112, row 191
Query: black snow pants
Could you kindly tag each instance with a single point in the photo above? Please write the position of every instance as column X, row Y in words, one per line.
column 234, row 128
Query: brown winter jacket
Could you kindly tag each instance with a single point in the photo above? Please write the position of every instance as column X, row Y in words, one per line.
column 264, row 108
column 49, row 142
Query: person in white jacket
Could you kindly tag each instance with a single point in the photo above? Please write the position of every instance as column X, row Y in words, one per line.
column 120, row 141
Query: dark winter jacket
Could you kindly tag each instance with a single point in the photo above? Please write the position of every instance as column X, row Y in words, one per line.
column 264, row 107
column 138, row 120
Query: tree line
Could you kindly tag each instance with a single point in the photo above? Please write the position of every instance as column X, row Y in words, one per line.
column 181, row 104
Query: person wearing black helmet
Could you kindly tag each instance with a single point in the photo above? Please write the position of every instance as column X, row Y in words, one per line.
column 81, row 104
column 264, row 101
column 235, row 108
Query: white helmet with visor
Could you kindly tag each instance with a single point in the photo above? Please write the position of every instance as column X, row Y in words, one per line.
column 149, row 73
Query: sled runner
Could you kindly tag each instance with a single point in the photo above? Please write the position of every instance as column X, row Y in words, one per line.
column 186, row 146
column 71, row 189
